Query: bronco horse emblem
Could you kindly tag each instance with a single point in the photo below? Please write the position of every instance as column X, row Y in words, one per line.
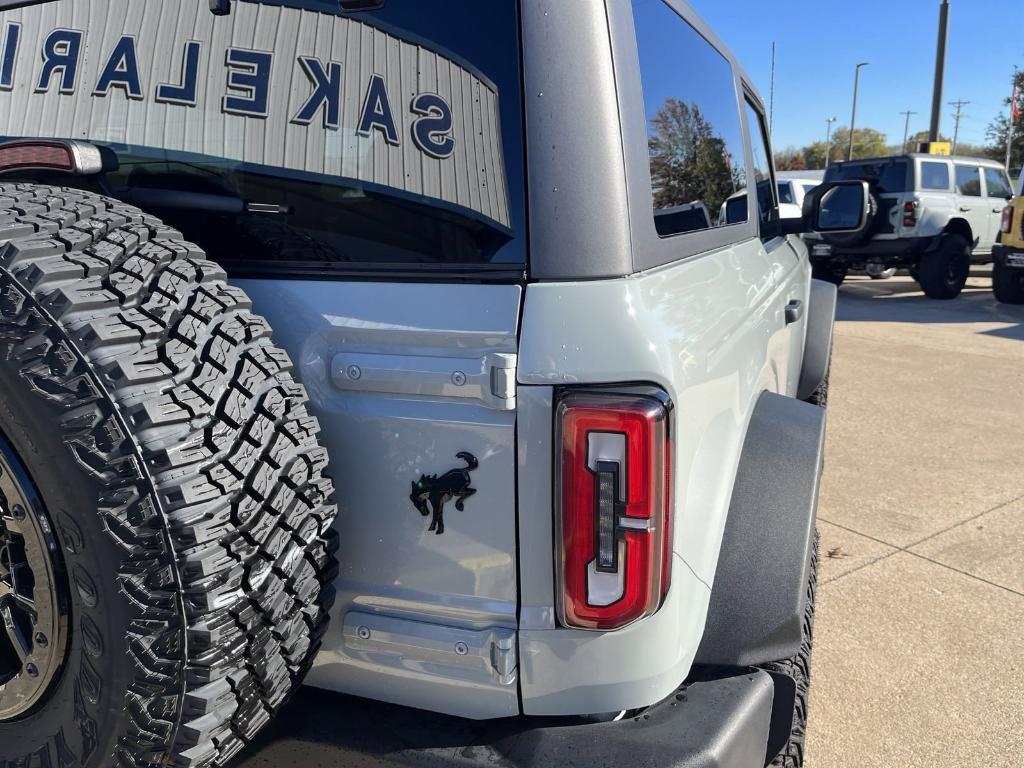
column 438, row 491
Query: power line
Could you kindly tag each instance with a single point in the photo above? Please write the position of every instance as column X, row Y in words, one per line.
column 958, row 116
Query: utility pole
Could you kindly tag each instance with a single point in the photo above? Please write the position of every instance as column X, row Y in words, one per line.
column 906, row 127
column 960, row 104
column 828, row 141
column 940, row 72
column 853, row 119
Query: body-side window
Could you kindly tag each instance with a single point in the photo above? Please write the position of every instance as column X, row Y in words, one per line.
column 968, row 180
column 694, row 137
column 786, row 192
column 762, row 167
column 934, row 176
column 998, row 186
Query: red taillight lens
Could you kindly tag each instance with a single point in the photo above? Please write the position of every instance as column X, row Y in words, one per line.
column 36, row 155
column 910, row 214
column 1007, row 223
column 615, row 514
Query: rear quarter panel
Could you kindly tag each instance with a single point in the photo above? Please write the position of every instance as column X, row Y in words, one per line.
column 707, row 331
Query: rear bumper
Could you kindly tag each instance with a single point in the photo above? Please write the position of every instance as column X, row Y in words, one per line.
column 723, row 722
column 1009, row 256
column 898, row 252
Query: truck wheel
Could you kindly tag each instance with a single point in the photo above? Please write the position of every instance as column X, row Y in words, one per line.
column 829, row 271
column 943, row 273
column 1008, row 283
column 798, row 670
column 165, row 526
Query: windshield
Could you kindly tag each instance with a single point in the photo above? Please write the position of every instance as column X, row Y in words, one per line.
column 887, row 176
column 290, row 131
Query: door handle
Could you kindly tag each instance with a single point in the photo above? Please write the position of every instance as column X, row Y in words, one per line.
column 794, row 311
column 964, row 209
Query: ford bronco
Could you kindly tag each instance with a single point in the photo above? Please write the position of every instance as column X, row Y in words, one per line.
column 932, row 215
column 574, row 429
column 1008, row 254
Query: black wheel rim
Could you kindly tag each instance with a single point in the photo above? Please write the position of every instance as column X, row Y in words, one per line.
column 34, row 605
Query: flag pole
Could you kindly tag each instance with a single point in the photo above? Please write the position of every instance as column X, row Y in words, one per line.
column 1014, row 112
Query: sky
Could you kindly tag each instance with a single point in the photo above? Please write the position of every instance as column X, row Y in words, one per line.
column 820, row 42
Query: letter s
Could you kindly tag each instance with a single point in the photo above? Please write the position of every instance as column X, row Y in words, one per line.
column 432, row 130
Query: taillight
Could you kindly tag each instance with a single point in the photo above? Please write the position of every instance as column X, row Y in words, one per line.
column 910, row 213
column 1007, row 224
column 615, row 558
column 36, row 155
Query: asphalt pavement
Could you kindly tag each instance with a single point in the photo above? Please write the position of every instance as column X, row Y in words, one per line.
column 919, row 640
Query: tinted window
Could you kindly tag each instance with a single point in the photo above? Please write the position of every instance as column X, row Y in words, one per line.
column 934, row 176
column 761, row 167
column 391, row 136
column 968, row 180
column 808, row 188
column 998, row 186
column 694, row 136
column 886, row 176
column 786, row 192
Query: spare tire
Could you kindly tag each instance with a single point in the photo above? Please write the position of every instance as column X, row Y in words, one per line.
column 852, row 239
column 166, row 550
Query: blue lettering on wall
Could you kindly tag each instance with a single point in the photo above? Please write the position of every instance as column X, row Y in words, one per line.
column 326, row 92
column 60, row 54
column 121, row 70
column 249, row 73
column 377, row 113
column 186, row 90
column 432, row 130
column 8, row 54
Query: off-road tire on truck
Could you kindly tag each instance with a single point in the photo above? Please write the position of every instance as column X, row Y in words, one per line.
column 158, row 436
column 943, row 273
column 798, row 670
column 1007, row 283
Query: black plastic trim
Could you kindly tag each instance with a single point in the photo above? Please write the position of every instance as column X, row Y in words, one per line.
column 821, row 316
column 710, row 723
column 757, row 600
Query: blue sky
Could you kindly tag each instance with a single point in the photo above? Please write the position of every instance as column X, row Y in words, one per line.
column 820, row 42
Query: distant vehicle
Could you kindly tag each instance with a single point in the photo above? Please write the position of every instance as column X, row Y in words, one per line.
column 1008, row 253
column 932, row 215
column 791, row 201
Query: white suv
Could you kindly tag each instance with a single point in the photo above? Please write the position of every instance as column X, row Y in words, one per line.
column 933, row 215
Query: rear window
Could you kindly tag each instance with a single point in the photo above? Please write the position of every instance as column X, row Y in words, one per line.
column 694, row 138
column 934, row 176
column 887, row 176
column 997, row 184
column 291, row 131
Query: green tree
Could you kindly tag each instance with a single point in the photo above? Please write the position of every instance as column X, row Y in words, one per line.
column 998, row 132
column 689, row 163
column 867, row 142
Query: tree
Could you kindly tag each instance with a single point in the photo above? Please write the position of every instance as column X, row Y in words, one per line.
column 791, row 159
column 689, row 163
column 999, row 129
column 867, row 142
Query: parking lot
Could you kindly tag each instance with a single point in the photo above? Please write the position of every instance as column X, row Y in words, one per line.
column 919, row 642
column 918, row 648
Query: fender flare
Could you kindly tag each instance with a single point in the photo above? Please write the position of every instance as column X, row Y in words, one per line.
column 757, row 601
column 821, row 316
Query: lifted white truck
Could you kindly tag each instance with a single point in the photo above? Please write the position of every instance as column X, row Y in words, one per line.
column 524, row 448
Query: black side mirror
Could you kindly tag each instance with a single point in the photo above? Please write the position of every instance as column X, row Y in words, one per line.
column 839, row 207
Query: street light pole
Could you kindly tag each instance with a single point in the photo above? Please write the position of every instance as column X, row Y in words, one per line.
column 828, row 141
column 853, row 119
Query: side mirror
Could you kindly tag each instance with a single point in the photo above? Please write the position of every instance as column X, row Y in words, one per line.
column 839, row 207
